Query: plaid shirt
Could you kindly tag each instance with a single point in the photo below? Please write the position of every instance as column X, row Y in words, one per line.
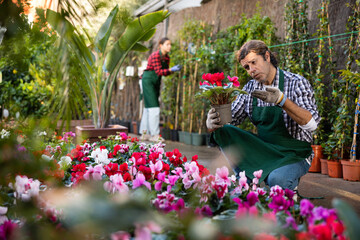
column 154, row 64
column 296, row 88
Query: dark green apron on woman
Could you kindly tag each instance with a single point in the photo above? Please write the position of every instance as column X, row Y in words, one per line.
column 272, row 148
column 151, row 86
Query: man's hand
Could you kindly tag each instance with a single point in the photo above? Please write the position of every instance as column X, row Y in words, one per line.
column 270, row 95
column 213, row 120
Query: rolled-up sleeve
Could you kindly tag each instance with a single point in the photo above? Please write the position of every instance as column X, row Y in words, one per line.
column 305, row 98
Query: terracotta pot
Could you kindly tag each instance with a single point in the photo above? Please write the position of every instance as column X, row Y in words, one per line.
column 315, row 164
column 225, row 113
column 351, row 170
column 73, row 124
column 324, row 167
column 93, row 134
column 334, row 169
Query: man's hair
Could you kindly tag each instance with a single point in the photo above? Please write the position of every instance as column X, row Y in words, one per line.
column 163, row 40
column 258, row 47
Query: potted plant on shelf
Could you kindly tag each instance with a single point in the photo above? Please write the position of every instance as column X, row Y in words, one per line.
column 351, row 168
column 101, row 59
column 220, row 93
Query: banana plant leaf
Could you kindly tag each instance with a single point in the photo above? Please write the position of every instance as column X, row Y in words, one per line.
column 100, row 84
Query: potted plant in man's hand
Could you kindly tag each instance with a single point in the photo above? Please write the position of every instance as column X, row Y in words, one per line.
column 220, row 91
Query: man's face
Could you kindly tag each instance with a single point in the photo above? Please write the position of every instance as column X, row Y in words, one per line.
column 258, row 67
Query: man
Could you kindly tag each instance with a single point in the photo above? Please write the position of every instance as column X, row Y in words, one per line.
column 282, row 106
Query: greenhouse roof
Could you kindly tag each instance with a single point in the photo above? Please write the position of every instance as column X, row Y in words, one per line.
column 171, row 5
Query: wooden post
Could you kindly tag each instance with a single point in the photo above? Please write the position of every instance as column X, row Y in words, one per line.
column 353, row 145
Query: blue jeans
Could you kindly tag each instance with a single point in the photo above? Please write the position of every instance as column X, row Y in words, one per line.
column 288, row 176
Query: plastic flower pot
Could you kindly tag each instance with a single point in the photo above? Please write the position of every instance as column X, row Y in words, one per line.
column 187, row 138
column 351, row 170
column 315, row 164
column 174, row 135
column 224, row 112
column 181, row 136
column 324, row 167
column 334, row 169
column 197, row 139
column 165, row 133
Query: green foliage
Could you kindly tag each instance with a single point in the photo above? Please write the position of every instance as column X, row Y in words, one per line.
column 227, row 42
column 219, row 95
column 296, row 57
column 20, row 91
column 101, row 61
column 200, row 51
column 344, row 93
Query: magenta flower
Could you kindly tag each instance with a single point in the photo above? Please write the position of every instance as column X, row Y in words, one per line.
column 306, row 207
column 252, row 198
column 205, row 211
column 172, row 179
column 7, row 230
column 234, row 80
column 279, row 203
column 140, row 180
column 290, row 221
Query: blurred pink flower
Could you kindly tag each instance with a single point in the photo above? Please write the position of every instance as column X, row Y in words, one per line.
column 140, row 180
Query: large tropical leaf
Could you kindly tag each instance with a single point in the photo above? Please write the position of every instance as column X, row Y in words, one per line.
column 105, row 30
column 67, row 31
column 140, row 29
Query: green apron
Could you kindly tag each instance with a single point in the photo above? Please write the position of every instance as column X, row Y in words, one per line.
column 272, row 148
column 151, row 86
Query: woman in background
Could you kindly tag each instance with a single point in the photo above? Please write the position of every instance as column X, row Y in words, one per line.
column 157, row 66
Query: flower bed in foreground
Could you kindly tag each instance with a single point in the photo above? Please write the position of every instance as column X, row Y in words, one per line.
column 120, row 188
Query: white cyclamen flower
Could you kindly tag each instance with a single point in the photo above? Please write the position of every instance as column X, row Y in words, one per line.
column 100, row 156
column 5, row 113
column 26, row 187
column 4, row 134
column 42, row 133
column 64, row 162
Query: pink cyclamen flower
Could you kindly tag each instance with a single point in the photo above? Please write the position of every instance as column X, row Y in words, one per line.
column 222, row 176
column 140, row 180
column 234, row 80
column 120, row 235
column 156, row 167
column 204, row 83
column 94, row 172
column 258, row 174
column 144, row 231
column 116, row 184
column 3, row 218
